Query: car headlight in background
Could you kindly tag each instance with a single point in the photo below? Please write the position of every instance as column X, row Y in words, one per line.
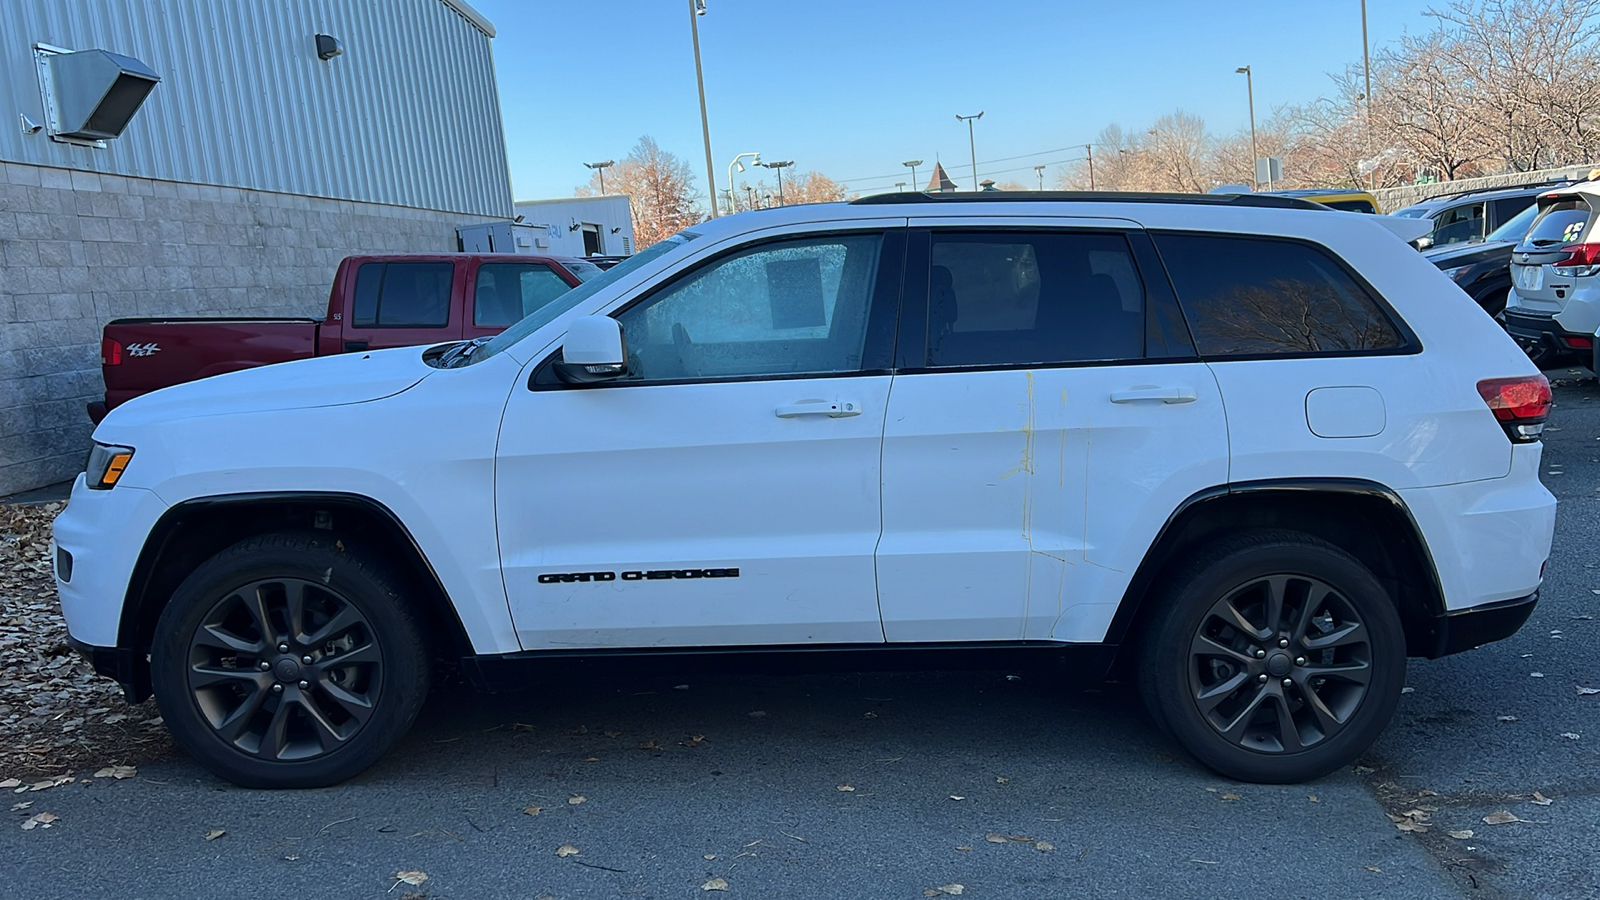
column 1457, row 273
column 106, row 465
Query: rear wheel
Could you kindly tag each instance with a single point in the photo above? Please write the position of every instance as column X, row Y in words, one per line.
column 1275, row 657
column 289, row 660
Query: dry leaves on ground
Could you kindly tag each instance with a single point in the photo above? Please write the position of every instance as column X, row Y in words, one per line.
column 566, row 850
column 38, row 820
column 55, row 713
column 576, row 799
column 1503, row 817
column 951, row 890
column 1461, row 835
column 1540, row 799
column 715, row 884
column 411, row 877
column 215, row 833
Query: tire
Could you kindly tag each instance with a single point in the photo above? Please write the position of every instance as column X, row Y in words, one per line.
column 1212, row 667
column 261, row 716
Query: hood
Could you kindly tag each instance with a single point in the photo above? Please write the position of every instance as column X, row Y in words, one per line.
column 303, row 384
column 1452, row 255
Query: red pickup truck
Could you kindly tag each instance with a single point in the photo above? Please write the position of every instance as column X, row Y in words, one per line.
column 376, row 302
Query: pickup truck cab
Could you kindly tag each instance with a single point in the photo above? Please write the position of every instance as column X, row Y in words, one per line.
column 396, row 300
column 1250, row 451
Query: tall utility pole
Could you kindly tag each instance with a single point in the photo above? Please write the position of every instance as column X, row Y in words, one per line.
column 778, row 167
column 912, row 165
column 601, row 168
column 972, row 144
column 1366, row 67
column 697, row 8
column 1089, row 149
column 1250, row 92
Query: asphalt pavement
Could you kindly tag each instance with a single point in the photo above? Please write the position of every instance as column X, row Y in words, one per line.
column 889, row 786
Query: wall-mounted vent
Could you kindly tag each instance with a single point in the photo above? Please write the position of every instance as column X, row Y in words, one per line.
column 90, row 95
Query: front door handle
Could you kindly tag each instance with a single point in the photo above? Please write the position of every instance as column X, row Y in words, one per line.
column 833, row 409
column 354, row 345
column 1145, row 393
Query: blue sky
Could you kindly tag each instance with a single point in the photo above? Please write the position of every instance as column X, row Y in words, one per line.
column 852, row 89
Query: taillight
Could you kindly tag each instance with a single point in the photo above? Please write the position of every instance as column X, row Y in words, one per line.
column 1579, row 256
column 1579, row 343
column 110, row 352
column 1521, row 404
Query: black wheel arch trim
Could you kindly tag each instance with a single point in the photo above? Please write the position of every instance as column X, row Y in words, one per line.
column 1161, row 550
column 156, row 544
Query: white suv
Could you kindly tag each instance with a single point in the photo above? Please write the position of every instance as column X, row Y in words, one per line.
column 1555, row 276
column 1253, row 451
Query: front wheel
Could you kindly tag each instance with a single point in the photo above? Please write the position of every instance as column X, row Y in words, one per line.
column 289, row 661
column 1275, row 657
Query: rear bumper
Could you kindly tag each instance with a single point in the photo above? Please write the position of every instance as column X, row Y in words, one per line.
column 1533, row 331
column 1464, row 629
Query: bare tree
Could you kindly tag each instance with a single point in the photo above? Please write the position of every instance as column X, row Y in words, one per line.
column 660, row 190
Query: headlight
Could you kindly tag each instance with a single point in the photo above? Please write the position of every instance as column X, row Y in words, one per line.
column 106, row 465
column 1457, row 273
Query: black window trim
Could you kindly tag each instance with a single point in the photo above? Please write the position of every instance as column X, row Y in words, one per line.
column 912, row 356
column 881, row 316
column 1410, row 344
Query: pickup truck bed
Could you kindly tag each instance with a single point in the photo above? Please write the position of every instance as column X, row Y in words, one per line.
column 198, row 348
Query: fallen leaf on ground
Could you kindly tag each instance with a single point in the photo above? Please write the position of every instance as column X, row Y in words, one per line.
column 215, row 833
column 957, row 797
column 950, row 889
column 1571, row 736
column 1501, row 818
column 10, row 783
column 1019, row 839
column 1001, row 780
column 715, row 884
column 1535, row 674
column 1313, row 799
column 1408, row 690
column 1540, row 799
column 1043, row 846
column 649, row 745
column 1418, row 815
column 613, row 734
column 710, row 856
column 566, row 850
column 965, row 849
column 995, row 838
column 845, row 788
column 1506, row 718
column 695, row 740
column 1229, row 796
column 1586, row 691
column 581, row 729
column 531, row 810
column 118, row 772
column 38, row 819
column 575, row 799
column 1461, row 835
column 1372, row 868
column 411, row 877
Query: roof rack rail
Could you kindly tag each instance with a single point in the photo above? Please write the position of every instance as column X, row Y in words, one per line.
column 1267, row 201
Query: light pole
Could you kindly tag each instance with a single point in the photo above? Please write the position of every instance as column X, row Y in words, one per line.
column 1039, row 170
column 912, row 165
column 601, row 167
column 1250, row 93
column 697, row 8
column 1366, row 66
column 972, row 144
column 1089, row 149
column 899, row 186
column 740, row 166
column 778, row 167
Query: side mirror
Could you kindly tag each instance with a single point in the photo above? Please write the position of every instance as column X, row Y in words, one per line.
column 594, row 351
column 1424, row 242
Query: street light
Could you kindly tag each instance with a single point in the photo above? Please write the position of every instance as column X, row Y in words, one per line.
column 740, row 166
column 1250, row 92
column 1039, row 170
column 778, row 167
column 698, row 8
column 601, row 167
column 912, row 165
column 899, row 186
column 971, row 144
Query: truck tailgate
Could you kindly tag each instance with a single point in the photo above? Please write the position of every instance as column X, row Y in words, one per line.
column 142, row 355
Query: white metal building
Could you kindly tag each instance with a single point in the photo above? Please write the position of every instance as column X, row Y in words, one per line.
column 216, row 157
column 579, row 226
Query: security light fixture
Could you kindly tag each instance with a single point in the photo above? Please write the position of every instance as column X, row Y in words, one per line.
column 90, row 95
column 328, row 46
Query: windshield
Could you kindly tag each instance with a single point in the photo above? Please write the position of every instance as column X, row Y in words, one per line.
column 1515, row 227
column 592, row 285
column 1411, row 212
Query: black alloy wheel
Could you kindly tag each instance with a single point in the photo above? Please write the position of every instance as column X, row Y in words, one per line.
column 290, row 660
column 285, row 669
column 1273, row 656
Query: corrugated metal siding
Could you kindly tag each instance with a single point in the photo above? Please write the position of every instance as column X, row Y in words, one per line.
column 408, row 115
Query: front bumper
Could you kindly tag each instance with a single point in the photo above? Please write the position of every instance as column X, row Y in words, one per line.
column 1464, row 629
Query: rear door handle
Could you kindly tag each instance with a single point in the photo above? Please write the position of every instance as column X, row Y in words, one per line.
column 355, row 345
column 833, row 409
column 1150, row 394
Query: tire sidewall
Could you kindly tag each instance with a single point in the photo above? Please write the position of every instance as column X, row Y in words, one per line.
column 1169, row 680
column 403, row 676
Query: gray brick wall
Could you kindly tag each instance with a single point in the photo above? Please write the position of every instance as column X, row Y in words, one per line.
column 1391, row 199
column 78, row 249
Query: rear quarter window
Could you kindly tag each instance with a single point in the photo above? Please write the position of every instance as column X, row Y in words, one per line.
column 1249, row 296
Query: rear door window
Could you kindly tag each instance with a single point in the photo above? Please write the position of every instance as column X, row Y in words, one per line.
column 403, row 295
column 1458, row 224
column 1250, row 296
column 1558, row 223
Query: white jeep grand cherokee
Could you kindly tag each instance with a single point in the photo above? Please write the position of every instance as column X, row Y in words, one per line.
column 1255, row 451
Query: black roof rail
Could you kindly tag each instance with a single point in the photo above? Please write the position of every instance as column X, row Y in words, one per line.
column 1268, row 201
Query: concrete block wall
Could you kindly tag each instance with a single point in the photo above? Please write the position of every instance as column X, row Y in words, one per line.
column 78, row 249
column 1391, row 199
